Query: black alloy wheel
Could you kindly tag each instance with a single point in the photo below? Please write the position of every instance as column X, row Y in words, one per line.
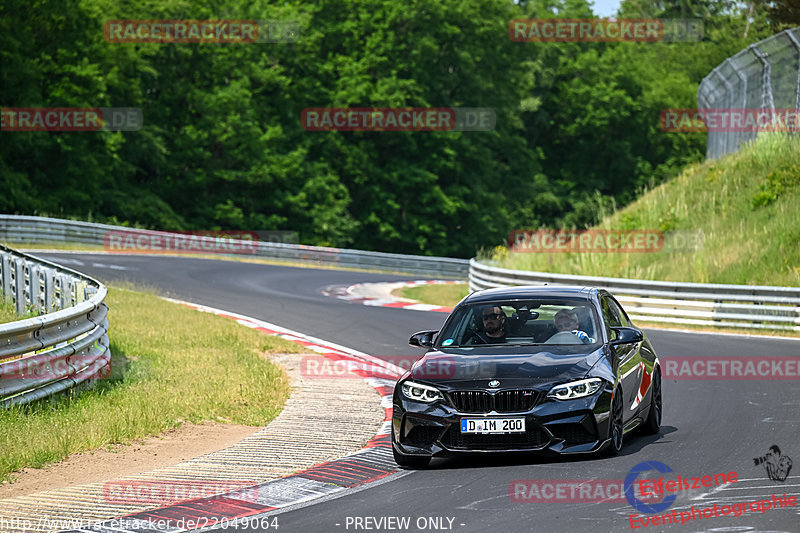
column 653, row 423
column 615, row 430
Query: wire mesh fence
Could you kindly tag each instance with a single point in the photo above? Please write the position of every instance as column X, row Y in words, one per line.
column 764, row 76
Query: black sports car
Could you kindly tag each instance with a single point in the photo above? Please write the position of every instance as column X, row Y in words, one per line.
column 551, row 369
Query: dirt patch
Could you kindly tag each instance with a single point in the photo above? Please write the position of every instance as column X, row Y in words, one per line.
column 169, row 448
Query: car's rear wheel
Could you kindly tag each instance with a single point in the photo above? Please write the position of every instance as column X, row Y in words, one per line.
column 653, row 423
column 615, row 430
column 409, row 461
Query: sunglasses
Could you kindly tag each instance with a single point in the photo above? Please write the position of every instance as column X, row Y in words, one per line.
column 494, row 316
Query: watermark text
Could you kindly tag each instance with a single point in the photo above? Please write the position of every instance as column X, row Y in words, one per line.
column 595, row 30
column 200, row 31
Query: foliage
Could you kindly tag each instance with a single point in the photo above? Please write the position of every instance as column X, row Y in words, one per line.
column 223, row 148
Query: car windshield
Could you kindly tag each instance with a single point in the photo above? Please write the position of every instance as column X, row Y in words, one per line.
column 521, row 322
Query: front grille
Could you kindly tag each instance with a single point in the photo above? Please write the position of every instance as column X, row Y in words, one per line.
column 509, row 401
column 533, row 438
column 423, row 435
column 571, row 433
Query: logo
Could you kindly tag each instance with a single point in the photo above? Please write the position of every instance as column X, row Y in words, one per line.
column 777, row 466
column 333, row 366
column 730, row 120
column 201, row 31
column 638, row 504
column 168, row 492
column 585, row 241
column 398, row 119
column 225, row 242
column 494, row 384
column 732, row 368
column 70, row 119
column 566, row 490
column 40, row 366
column 594, row 30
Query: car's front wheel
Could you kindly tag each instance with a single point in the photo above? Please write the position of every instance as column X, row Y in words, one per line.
column 615, row 429
column 653, row 422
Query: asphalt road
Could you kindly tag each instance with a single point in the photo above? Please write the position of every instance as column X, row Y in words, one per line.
column 709, row 427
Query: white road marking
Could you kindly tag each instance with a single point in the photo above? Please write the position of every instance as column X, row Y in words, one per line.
column 111, row 267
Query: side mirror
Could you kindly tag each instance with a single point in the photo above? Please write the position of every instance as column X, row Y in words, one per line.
column 627, row 336
column 423, row 339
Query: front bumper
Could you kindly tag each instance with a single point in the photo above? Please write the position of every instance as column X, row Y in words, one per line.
column 551, row 426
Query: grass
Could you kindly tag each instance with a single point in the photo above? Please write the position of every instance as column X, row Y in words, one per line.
column 185, row 366
column 744, row 205
column 66, row 246
column 8, row 313
column 445, row 295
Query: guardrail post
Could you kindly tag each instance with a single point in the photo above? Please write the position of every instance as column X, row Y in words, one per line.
column 5, row 278
column 78, row 292
column 26, row 291
column 58, row 292
column 67, row 291
column 48, row 288
column 37, row 288
column 19, row 285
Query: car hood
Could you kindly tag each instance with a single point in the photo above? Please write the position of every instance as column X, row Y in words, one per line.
column 525, row 367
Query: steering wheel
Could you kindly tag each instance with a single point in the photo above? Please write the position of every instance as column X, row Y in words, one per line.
column 476, row 338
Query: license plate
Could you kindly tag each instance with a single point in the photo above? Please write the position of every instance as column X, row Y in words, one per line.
column 492, row 425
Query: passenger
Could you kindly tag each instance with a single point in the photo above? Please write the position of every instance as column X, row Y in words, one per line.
column 567, row 320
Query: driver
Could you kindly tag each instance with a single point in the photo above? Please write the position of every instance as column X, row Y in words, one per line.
column 494, row 331
column 567, row 320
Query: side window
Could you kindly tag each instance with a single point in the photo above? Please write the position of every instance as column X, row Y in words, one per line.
column 619, row 312
column 610, row 317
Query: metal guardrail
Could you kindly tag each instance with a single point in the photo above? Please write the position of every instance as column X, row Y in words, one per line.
column 765, row 75
column 66, row 345
column 27, row 229
column 740, row 306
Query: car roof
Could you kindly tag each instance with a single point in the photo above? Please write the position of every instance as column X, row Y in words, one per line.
column 531, row 291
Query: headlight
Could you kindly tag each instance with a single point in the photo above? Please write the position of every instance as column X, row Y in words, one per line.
column 576, row 389
column 421, row 393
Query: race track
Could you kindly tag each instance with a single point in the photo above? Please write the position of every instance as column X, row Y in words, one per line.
column 708, row 427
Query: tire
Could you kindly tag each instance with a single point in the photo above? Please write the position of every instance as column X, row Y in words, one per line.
column 653, row 423
column 615, row 427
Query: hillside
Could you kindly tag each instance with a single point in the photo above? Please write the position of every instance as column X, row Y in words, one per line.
column 746, row 206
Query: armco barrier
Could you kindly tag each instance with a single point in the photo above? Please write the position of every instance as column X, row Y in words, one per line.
column 27, row 229
column 67, row 344
column 740, row 306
